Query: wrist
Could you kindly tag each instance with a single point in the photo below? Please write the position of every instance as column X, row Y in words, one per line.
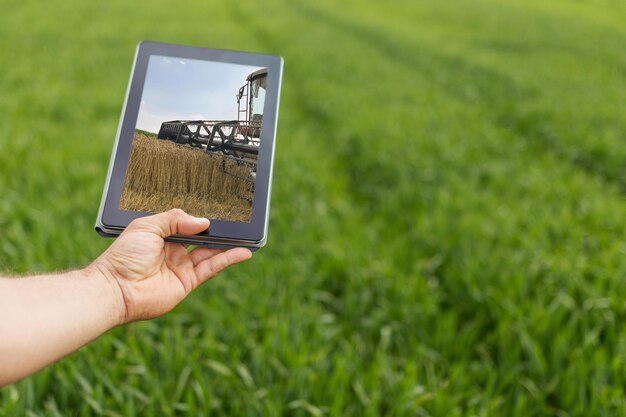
column 100, row 273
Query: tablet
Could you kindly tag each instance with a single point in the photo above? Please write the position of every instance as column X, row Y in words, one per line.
column 197, row 132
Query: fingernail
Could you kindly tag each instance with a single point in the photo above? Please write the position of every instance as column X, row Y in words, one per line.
column 202, row 220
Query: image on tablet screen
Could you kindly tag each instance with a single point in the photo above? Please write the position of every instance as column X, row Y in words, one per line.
column 197, row 138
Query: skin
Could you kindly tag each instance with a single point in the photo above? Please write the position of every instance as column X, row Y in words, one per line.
column 139, row 277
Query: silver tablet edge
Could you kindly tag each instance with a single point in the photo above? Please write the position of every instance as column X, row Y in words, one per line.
column 263, row 240
column 117, row 139
column 194, row 240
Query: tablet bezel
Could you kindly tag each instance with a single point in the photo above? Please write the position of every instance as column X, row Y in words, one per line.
column 112, row 218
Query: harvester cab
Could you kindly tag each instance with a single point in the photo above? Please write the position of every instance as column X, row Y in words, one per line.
column 251, row 97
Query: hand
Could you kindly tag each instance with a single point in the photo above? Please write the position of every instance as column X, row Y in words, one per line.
column 151, row 276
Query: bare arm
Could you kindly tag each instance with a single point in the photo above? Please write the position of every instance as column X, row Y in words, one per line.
column 43, row 318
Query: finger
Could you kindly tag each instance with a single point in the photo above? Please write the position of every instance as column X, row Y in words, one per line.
column 208, row 268
column 202, row 253
column 171, row 222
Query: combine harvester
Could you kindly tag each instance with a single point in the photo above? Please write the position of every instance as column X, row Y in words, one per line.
column 236, row 140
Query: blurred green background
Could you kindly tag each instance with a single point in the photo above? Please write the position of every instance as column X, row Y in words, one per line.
column 447, row 231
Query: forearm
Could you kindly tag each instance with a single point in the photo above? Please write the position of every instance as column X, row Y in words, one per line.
column 47, row 317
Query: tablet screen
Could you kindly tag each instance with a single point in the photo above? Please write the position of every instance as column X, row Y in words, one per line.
column 196, row 141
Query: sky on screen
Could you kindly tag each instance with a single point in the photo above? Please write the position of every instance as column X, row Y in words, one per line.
column 188, row 89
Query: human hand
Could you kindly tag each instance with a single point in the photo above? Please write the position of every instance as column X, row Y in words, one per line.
column 151, row 276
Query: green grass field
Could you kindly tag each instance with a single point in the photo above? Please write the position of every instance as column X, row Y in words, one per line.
column 447, row 233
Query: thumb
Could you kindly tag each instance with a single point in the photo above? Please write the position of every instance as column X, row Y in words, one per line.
column 171, row 222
